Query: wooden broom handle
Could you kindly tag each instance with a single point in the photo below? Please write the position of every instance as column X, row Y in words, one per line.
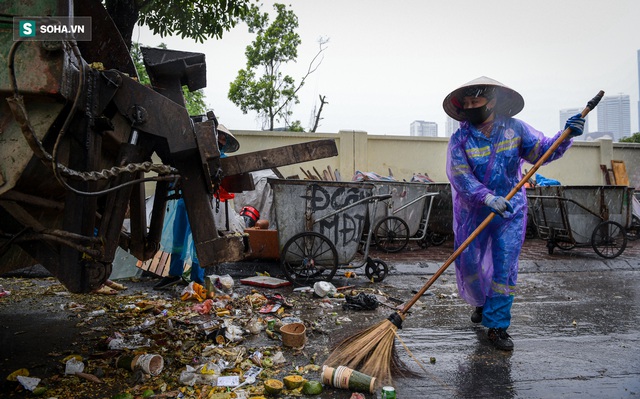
column 590, row 106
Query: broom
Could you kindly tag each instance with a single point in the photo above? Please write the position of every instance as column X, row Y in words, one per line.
column 372, row 351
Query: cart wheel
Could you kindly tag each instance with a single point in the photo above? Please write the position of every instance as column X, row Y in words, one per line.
column 565, row 245
column 391, row 234
column 609, row 239
column 309, row 256
column 437, row 239
column 550, row 246
column 633, row 231
column 423, row 243
column 376, row 270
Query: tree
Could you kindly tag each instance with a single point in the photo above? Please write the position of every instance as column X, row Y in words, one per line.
column 316, row 117
column 193, row 99
column 272, row 94
column 634, row 138
column 194, row 19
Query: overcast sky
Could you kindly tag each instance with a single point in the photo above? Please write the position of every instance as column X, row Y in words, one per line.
column 388, row 64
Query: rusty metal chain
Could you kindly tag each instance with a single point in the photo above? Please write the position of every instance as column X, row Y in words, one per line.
column 106, row 174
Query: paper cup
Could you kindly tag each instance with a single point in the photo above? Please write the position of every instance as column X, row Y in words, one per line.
column 150, row 363
column 293, row 335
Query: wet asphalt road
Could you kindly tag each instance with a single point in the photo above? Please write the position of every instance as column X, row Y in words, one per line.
column 575, row 327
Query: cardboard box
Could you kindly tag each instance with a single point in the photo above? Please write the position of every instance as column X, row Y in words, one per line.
column 263, row 243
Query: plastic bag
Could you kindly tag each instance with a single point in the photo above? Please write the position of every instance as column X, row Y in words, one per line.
column 194, row 291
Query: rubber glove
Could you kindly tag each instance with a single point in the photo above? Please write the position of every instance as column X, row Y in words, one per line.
column 497, row 204
column 576, row 123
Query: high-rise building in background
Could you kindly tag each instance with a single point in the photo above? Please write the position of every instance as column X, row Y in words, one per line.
column 614, row 116
column 424, row 129
column 568, row 113
column 451, row 126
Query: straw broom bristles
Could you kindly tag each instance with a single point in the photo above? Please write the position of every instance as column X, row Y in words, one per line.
column 371, row 351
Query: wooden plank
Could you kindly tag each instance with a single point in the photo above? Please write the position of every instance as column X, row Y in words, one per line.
column 276, row 171
column 333, row 176
column 281, row 156
column 620, row 173
column 306, row 175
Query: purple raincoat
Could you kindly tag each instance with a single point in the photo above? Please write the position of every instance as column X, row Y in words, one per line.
column 477, row 166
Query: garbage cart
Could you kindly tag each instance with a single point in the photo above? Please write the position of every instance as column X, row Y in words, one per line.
column 404, row 216
column 570, row 217
column 320, row 228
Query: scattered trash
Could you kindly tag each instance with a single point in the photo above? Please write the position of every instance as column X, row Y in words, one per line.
column 324, row 288
column 265, row 281
column 149, row 363
column 388, row 392
column 228, row 381
column 73, row 366
column 29, row 383
column 3, row 292
column 293, row 335
column 134, row 341
column 194, row 291
column 273, row 386
column 219, row 285
column 97, row 313
column 362, row 301
column 89, row 377
column 312, row 388
column 198, row 346
column 346, row 378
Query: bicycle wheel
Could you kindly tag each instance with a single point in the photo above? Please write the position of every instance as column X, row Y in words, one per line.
column 309, row 256
column 391, row 234
column 609, row 239
column 376, row 270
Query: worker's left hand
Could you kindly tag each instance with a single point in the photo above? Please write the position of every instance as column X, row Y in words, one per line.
column 576, row 124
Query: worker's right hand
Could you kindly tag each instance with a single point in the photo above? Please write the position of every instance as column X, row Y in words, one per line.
column 498, row 204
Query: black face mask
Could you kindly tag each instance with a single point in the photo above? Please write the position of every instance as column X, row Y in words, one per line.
column 476, row 116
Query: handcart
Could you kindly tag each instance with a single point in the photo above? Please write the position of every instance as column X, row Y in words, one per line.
column 320, row 227
column 440, row 222
column 404, row 216
column 633, row 230
column 582, row 216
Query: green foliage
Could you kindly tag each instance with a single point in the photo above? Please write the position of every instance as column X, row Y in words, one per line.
column 195, row 100
column 194, row 19
column 296, row 126
column 634, row 138
column 272, row 94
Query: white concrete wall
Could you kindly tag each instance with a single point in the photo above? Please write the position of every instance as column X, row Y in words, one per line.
column 405, row 155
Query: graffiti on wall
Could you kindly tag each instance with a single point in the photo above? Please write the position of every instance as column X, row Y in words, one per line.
column 344, row 227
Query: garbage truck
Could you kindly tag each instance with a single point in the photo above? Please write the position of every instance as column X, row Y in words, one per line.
column 80, row 140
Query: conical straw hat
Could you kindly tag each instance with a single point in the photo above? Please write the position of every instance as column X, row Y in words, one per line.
column 509, row 102
column 232, row 143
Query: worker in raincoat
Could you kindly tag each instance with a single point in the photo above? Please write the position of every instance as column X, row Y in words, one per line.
column 176, row 231
column 484, row 163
